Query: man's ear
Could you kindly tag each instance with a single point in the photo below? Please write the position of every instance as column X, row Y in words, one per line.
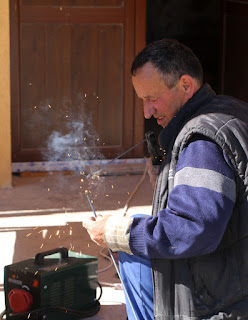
column 189, row 85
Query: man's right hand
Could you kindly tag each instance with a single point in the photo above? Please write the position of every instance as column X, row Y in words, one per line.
column 152, row 171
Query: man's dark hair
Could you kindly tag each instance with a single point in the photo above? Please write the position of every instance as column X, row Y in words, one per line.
column 171, row 58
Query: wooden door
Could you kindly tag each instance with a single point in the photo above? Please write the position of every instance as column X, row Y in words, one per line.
column 234, row 73
column 72, row 96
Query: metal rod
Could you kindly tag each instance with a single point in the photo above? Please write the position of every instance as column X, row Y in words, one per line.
column 91, row 205
column 113, row 259
column 111, row 161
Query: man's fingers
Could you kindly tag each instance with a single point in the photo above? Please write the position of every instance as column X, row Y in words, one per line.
column 88, row 222
column 95, row 229
column 152, row 171
column 155, row 169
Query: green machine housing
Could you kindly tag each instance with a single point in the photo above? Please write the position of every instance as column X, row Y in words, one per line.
column 56, row 279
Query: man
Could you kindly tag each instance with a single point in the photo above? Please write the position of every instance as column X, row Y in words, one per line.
column 197, row 236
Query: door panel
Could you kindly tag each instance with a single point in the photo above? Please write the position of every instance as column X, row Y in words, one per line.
column 54, row 86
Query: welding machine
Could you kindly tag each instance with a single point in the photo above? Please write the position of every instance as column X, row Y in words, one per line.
column 54, row 285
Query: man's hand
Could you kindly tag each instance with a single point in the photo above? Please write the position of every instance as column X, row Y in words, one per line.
column 95, row 228
column 152, row 171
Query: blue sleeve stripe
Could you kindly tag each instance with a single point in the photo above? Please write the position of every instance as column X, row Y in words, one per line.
column 208, row 179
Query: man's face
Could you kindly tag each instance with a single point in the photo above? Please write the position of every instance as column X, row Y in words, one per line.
column 158, row 100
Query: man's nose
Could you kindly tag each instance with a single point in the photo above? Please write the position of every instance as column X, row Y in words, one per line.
column 149, row 110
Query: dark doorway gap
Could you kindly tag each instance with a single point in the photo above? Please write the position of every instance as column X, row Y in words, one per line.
column 194, row 23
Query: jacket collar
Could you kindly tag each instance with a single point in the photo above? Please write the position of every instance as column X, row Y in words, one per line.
column 170, row 132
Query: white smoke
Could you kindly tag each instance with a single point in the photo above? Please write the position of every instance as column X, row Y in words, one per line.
column 81, row 142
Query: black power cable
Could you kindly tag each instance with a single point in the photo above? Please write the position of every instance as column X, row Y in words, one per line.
column 2, row 314
column 38, row 313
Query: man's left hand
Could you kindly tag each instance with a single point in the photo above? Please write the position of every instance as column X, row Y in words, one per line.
column 95, row 228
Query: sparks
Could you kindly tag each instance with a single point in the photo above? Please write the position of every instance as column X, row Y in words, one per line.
column 36, row 273
column 48, row 189
column 112, row 187
column 107, row 195
column 82, row 180
column 49, row 106
column 29, row 234
column 70, row 232
column 41, row 245
column 57, row 232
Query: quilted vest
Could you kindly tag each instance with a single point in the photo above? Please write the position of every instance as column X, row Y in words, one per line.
column 213, row 286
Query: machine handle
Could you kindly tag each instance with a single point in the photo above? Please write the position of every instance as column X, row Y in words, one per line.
column 39, row 258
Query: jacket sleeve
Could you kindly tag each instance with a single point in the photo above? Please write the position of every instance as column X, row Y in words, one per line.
column 199, row 207
column 117, row 233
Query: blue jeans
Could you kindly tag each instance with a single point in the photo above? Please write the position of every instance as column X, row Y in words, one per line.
column 136, row 275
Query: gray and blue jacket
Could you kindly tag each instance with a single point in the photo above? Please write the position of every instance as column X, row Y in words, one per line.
column 200, row 261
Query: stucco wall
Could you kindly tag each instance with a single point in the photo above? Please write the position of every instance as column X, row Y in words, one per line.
column 5, row 144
